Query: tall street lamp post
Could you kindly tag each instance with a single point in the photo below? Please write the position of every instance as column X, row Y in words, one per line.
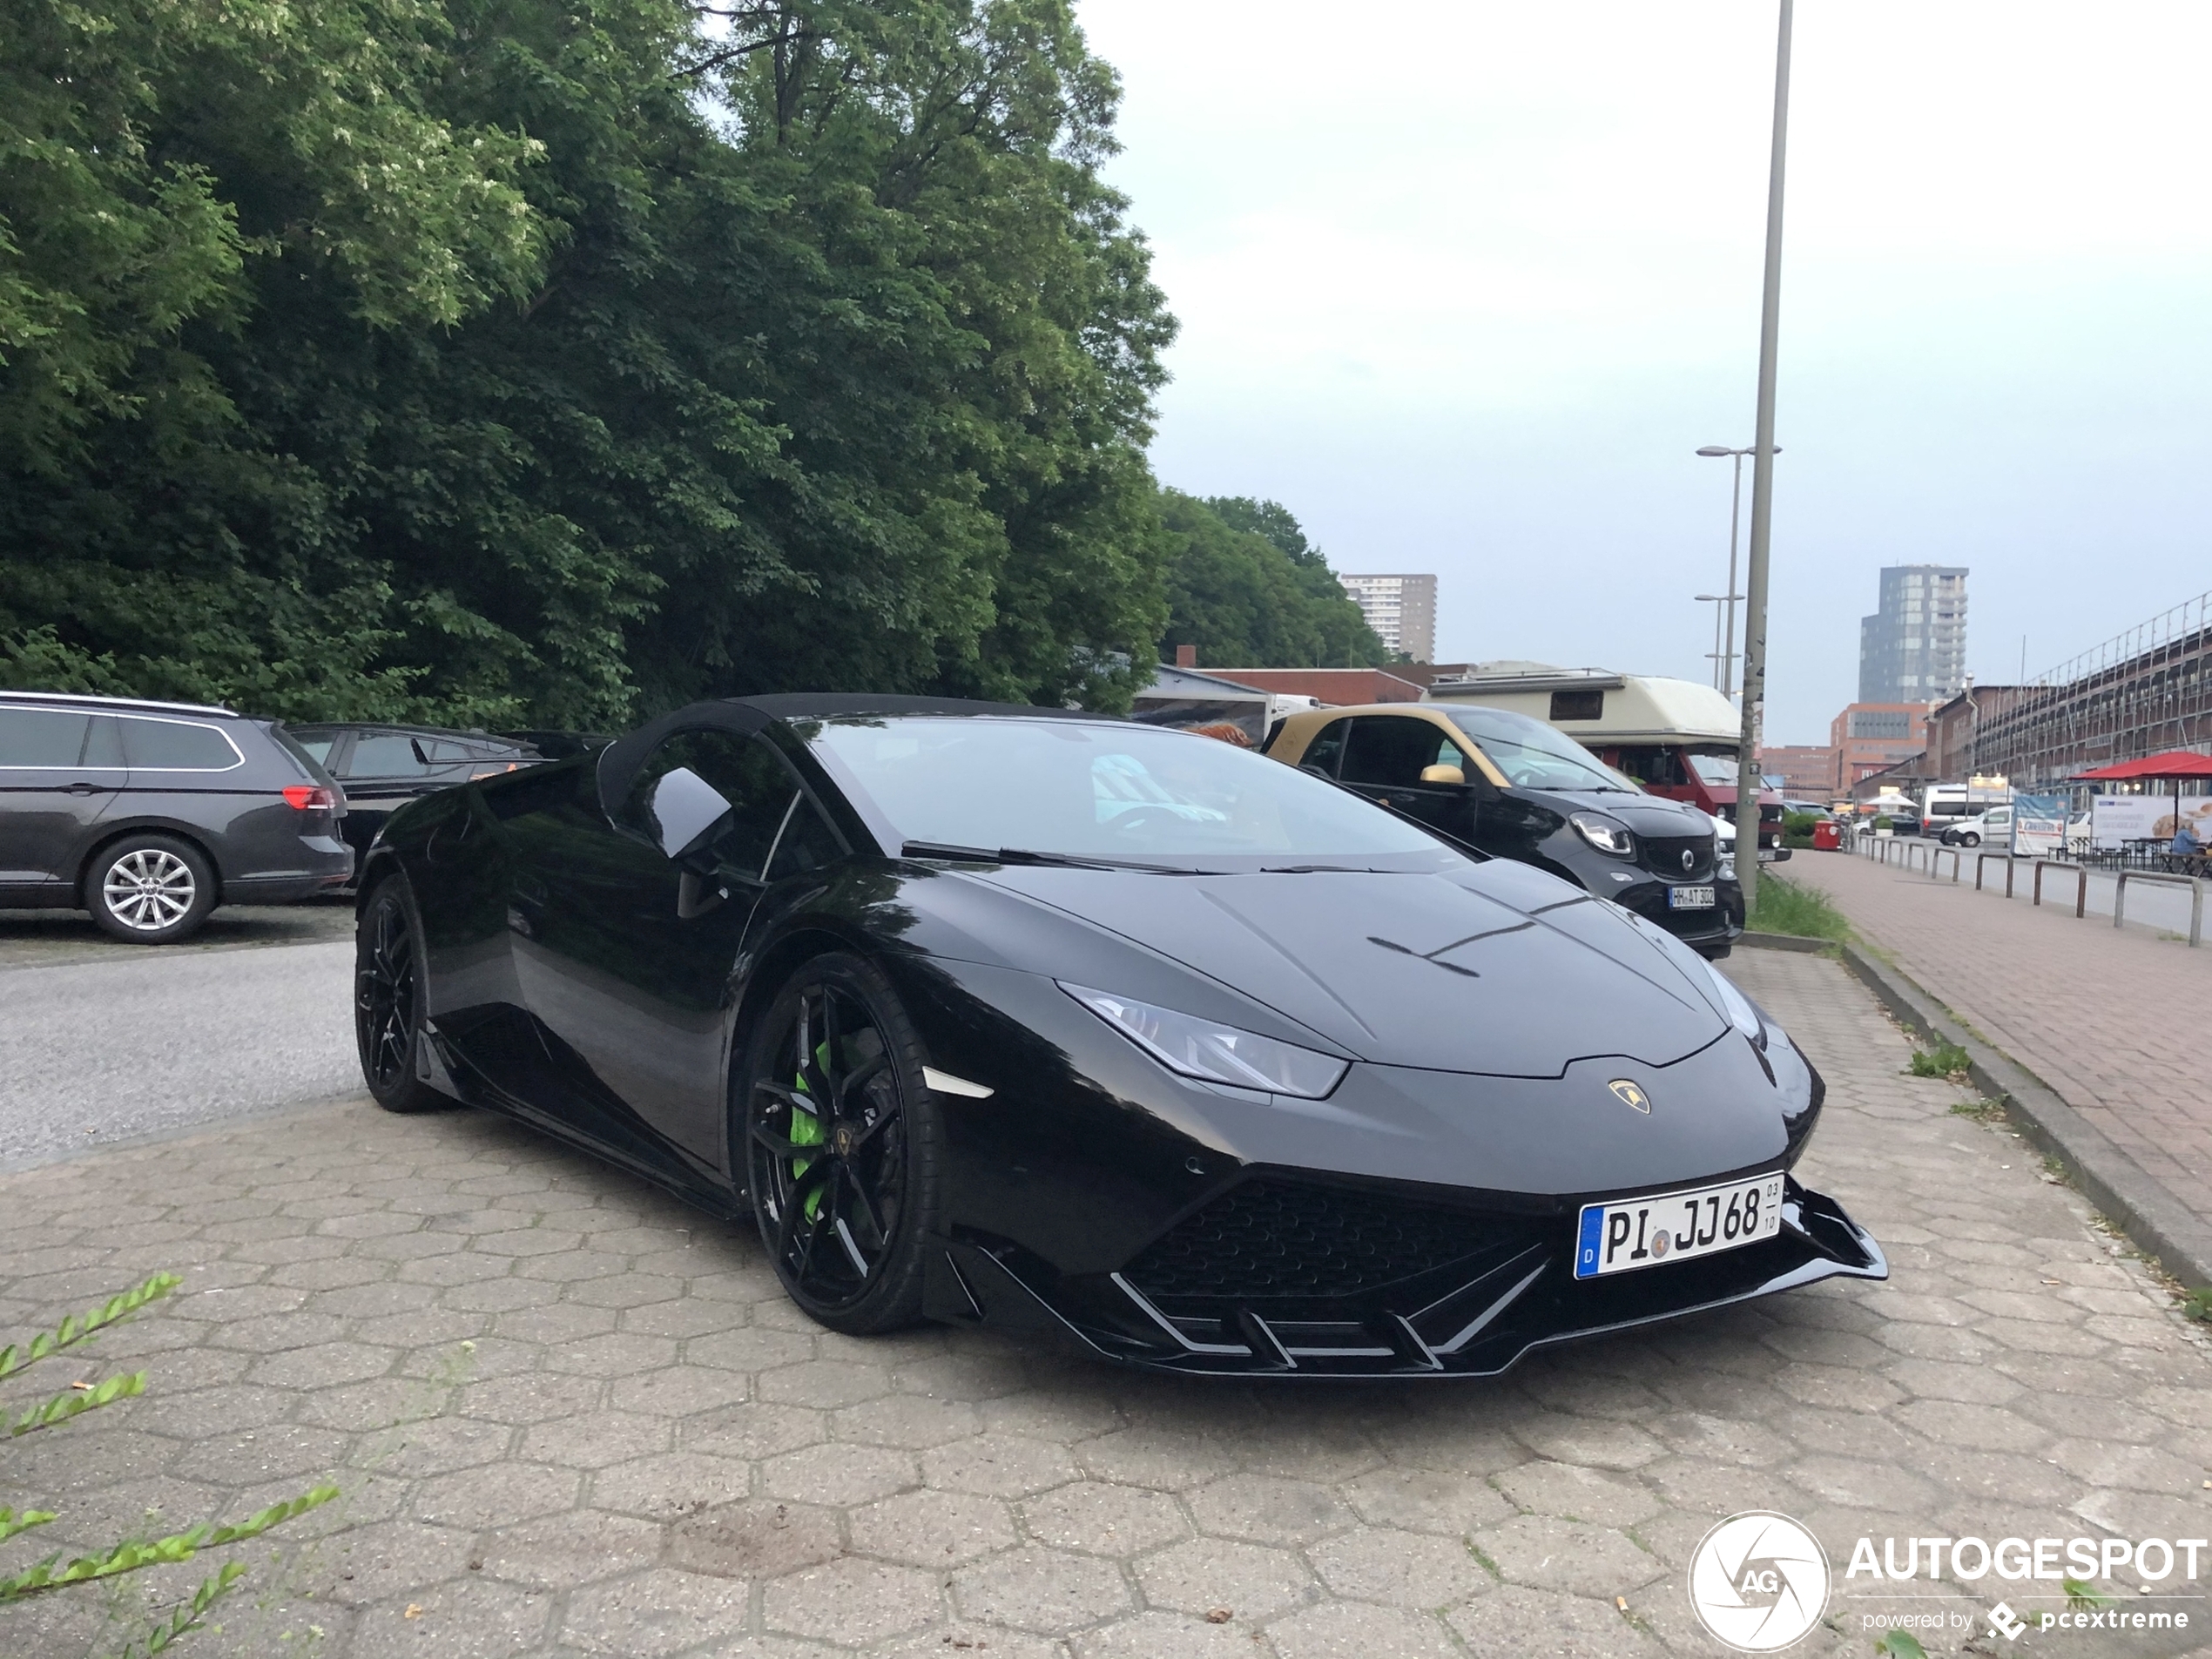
column 1755, row 587
column 1727, row 681
column 1722, row 661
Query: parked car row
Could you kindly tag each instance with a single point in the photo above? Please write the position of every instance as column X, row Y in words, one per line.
column 149, row 814
column 202, row 806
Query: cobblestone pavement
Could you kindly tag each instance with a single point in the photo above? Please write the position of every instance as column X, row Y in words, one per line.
column 572, row 1418
column 2112, row 1019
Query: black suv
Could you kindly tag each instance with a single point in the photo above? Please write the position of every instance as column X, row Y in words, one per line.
column 1519, row 789
column 383, row 767
column 150, row 814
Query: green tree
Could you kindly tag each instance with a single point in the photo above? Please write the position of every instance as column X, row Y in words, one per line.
column 1246, row 588
column 561, row 363
column 152, row 541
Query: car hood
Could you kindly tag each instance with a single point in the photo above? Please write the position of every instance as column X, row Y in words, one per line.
column 1494, row 968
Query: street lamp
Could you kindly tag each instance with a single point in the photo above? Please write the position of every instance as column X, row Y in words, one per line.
column 1755, row 581
column 1727, row 652
column 1716, row 655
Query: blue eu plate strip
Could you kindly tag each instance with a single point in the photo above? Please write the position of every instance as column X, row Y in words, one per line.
column 1592, row 1231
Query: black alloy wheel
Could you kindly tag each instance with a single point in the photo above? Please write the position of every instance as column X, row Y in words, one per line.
column 841, row 1139
column 389, row 1001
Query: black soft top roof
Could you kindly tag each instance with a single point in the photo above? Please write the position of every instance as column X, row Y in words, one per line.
column 804, row 705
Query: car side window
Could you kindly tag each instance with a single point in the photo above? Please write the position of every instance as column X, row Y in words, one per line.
column 176, row 745
column 1655, row 768
column 806, row 843
column 743, row 771
column 1391, row 750
column 1326, row 752
column 104, row 744
column 384, row 754
column 41, row 737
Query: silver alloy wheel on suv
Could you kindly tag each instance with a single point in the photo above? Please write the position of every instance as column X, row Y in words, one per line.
column 150, row 889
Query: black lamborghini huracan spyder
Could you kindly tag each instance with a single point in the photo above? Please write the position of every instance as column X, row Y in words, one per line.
column 1120, row 1033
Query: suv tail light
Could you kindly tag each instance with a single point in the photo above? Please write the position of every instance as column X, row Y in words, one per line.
column 308, row 797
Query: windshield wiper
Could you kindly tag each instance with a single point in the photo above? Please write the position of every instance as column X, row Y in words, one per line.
column 1005, row 855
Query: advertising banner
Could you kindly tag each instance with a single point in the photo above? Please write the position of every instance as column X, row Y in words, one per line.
column 2039, row 826
column 2116, row 820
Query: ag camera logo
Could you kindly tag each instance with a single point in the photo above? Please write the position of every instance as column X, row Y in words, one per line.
column 1758, row 1581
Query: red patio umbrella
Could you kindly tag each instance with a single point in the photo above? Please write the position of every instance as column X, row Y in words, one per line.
column 2176, row 764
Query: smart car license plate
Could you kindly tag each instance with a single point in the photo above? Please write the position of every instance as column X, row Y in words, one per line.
column 1620, row 1237
column 1689, row 898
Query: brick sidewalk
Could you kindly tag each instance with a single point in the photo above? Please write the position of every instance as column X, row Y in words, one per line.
column 573, row 1419
column 2113, row 1020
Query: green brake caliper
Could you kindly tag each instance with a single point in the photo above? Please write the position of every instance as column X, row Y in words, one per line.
column 806, row 1131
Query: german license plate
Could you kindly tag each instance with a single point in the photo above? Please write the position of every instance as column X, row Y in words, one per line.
column 1619, row 1238
column 1689, row 898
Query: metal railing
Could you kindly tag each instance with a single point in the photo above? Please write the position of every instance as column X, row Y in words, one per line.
column 2195, row 884
column 1885, row 850
column 2081, row 885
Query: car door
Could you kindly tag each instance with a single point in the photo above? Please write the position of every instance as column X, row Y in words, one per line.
column 1384, row 757
column 625, row 954
column 61, row 771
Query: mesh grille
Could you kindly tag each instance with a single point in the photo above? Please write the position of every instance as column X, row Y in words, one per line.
column 1662, row 856
column 1280, row 1238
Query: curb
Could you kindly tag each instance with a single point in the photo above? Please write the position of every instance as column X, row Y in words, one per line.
column 2129, row 1196
column 1785, row 941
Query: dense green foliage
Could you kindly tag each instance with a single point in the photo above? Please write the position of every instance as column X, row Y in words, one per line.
column 1246, row 589
column 496, row 361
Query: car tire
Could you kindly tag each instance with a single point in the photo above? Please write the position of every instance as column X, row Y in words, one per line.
column 391, row 1002
column 150, row 889
column 1970, row 839
column 846, row 1229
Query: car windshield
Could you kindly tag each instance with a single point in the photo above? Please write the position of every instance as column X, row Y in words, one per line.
column 1107, row 790
column 1714, row 769
column 1536, row 756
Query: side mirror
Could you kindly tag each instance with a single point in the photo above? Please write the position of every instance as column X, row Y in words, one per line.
column 688, row 814
column 1443, row 775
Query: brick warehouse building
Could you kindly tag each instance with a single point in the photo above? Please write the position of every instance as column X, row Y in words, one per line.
column 1873, row 737
column 2138, row 693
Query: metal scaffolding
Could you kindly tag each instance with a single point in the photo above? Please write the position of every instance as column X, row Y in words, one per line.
column 2138, row 693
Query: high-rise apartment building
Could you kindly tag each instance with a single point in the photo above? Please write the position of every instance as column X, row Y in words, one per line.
column 1913, row 647
column 1400, row 609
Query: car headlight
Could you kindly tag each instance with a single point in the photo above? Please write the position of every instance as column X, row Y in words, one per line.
column 1741, row 1013
column 1604, row 834
column 1217, row 1054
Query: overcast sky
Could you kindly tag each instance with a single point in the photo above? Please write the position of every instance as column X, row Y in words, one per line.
column 1464, row 285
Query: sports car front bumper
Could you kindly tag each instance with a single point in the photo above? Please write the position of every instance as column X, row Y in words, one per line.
column 1281, row 1275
